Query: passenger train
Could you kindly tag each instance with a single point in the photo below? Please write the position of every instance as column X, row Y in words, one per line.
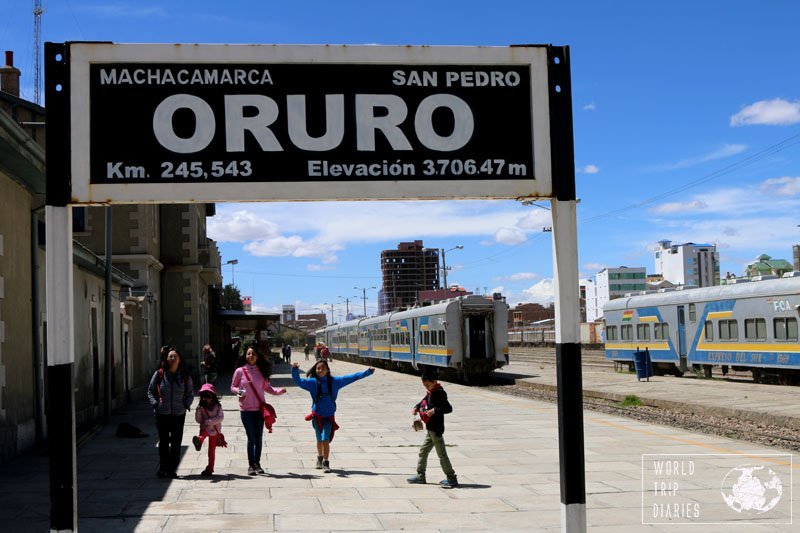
column 744, row 326
column 465, row 337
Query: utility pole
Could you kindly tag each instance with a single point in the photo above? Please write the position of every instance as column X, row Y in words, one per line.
column 37, row 52
column 444, row 264
column 364, row 296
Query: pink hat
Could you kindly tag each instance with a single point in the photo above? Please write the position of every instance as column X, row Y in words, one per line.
column 208, row 387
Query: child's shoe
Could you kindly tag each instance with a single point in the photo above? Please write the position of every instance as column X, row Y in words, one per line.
column 419, row 479
column 326, row 466
column 319, row 462
column 258, row 468
column 251, row 470
column 207, row 472
column 197, row 442
column 449, row 483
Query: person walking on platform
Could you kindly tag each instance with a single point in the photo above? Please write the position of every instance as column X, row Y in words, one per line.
column 209, row 365
column 324, row 390
column 209, row 415
column 307, row 350
column 287, row 353
column 432, row 409
column 250, row 382
column 170, row 393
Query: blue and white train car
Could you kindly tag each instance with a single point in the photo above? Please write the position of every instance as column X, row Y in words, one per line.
column 744, row 326
column 466, row 336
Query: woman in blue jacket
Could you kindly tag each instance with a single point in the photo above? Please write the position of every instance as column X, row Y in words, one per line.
column 324, row 389
column 171, row 392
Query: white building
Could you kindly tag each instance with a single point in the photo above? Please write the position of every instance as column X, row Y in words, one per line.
column 611, row 283
column 688, row 263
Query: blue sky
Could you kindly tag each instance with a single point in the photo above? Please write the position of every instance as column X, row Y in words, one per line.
column 686, row 119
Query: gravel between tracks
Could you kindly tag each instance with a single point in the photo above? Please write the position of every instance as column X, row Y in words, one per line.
column 733, row 428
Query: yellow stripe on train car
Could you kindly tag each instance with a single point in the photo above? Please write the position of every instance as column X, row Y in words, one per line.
column 434, row 351
column 638, row 346
column 648, row 319
column 719, row 314
column 791, row 347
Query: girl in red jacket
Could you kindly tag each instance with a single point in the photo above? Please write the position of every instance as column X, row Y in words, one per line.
column 209, row 415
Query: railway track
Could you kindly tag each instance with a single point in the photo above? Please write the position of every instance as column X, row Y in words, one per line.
column 734, row 428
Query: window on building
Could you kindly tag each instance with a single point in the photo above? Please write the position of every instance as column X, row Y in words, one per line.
column 728, row 330
column 755, row 329
column 709, row 331
column 692, row 313
column 785, row 329
column 643, row 332
column 78, row 219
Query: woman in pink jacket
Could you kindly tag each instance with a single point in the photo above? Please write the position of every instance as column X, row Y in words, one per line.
column 250, row 382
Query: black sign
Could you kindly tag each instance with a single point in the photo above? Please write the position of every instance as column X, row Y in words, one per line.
column 178, row 123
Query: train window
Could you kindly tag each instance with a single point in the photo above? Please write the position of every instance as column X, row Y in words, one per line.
column 785, row 329
column 626, row 332
column 611, row 333
column 442, row 343
column 709, row 331
column 692, row 313
column 728, row 330
column 661, row 331
column 426, row 337
column 755, row 329
column 643, row 332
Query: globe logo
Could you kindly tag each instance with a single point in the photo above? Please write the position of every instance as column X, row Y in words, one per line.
column 751, row 489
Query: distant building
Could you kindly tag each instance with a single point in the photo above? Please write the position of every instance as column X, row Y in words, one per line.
column 407, row 271
column 288, row 315
column 247, row 303
column 526, row 314
column 311, row 322
column 688, row 263
column 611, row 283
column 764, row 265
column 796, row 257
column 438, row 295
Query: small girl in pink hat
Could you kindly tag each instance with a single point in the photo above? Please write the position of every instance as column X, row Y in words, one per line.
column 209, row 415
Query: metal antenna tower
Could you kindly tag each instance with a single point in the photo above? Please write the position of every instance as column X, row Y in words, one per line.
column 37, row 51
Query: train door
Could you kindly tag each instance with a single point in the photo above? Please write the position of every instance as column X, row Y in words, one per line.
column 476, row 337
column 682, row 337
column 412, row 341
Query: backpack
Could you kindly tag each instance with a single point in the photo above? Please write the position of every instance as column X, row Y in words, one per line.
column 330, row 391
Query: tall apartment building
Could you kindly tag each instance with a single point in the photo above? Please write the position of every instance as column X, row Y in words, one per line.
column 688, row 263
column 406, row 271
column 611, row 283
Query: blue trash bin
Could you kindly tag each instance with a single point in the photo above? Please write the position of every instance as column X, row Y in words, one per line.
column 644, row 367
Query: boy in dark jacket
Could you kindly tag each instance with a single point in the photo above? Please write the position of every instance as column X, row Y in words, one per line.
column 432, row 409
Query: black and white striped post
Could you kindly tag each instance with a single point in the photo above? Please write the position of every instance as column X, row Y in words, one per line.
column 567, row 294
column 58, row 282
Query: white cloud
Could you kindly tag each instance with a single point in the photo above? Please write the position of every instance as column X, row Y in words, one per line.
column 775, row 112
column 510, row 236
column 540, row 293
column 487, row 243
column 727, row 150
column 519, row 276
column 318, row 268
column 784, row 186
column 535, row 219
column 594, row 266
column 588, row 169
column 590, row 107
column 240, row 226
column 295, row 246
column 679, row 207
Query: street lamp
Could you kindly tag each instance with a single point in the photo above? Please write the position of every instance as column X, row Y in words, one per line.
column 233, row 274
column 364, row 296
column 444, row 264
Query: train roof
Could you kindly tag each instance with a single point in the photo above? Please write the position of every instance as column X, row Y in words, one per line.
column 754, row 289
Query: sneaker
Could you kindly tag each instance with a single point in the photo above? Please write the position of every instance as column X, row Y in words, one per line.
column 448, row 483
column 251, row 470
column 207, row 472
column 197, row 442
column 419, row 479
column 319, row 463
column 326, row 466
column 258, row 468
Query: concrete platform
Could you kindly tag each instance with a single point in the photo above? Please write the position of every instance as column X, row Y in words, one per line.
column 503, row 448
